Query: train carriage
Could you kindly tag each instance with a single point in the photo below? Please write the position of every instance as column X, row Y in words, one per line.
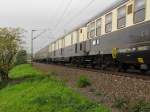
column 122, row 34
column 119, row 36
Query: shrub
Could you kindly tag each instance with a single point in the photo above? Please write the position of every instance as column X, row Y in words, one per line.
column 140, row 106
column 83, row 82
column 121, row 103
column 21, row 57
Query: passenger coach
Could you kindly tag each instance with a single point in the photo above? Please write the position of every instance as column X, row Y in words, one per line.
column 119, row 36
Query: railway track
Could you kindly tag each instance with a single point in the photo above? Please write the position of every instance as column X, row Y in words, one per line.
column 135, row 74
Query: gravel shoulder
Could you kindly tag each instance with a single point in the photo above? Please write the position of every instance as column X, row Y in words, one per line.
column 105, row 88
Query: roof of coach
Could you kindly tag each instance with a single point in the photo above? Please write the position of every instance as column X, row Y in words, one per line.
column 43, row 49
column 108, row 9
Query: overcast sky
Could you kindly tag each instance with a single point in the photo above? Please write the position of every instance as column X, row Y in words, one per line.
column 56, row 16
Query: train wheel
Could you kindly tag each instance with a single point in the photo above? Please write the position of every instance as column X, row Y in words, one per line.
column 123, row 67
column 144, row 71
column 144, row 68
column 93, row 66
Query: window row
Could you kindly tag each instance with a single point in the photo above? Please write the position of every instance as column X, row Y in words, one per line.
column 96, row 42
column 95, row 28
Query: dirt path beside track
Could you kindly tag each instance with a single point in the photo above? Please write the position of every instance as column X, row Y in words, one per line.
column 105, row 88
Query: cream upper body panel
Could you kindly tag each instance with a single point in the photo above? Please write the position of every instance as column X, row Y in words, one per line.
column 129, row 17
column 82, row 34
column 68, row 40
column 103, row 25
column 53, row 46
column 114, row 20
column 147, row 10
column 75, row 37
column 50, row 48
column 85, row 34
column 60, row 43
column 56, row 45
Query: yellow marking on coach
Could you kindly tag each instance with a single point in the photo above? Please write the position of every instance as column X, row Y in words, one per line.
column 140, row 60
column 114, row 53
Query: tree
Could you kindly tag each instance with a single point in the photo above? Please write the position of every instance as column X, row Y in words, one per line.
column 21, row 57
column 10, row 40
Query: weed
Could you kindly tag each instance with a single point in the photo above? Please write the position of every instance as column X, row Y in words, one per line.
column 120, row 103
column 140, row 106
column 98, row 93
column 83, row 82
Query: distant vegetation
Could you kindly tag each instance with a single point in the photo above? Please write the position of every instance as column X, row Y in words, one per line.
column 30, row 91
column 21, row 57
column 10, row 41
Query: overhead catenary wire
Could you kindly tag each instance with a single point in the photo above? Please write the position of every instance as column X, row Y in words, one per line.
column 79, row 13
column 63, row 14
column 39, row 35
column 55, row 11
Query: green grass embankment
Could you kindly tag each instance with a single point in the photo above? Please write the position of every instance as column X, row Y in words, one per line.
column 34, row 92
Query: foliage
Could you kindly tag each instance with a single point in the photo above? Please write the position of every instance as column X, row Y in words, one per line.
column 126, row 106
column 140, row 106
column 83, row 82
column 121, row 103
column 21, row 57
column 10, row 39
column 23, row 70
column 42, row 94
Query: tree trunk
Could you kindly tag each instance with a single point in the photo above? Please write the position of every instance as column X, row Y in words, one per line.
column 3, row 75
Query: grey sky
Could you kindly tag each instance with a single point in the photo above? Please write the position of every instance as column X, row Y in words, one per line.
column 57, row 16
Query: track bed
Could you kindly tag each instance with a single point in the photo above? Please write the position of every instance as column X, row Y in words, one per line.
column 111, row 85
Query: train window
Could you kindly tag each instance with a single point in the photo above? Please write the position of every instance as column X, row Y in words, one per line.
column 121, row 22
column 80, row 30
column 130, row 8
column 92, row 30
column 98, row 27
column 108, row 23
column 97, row 41
column 139, row 11
column 94, row 42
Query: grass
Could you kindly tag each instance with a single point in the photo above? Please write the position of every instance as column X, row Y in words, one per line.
column 23, row 71
column 126, row 106
column 83, row 81
column 120, row 103
column 42, row 94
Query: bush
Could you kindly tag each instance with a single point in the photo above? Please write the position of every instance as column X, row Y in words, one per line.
column 83, row 82
column 140, row 106
column 120, row 103
column 21, row 57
